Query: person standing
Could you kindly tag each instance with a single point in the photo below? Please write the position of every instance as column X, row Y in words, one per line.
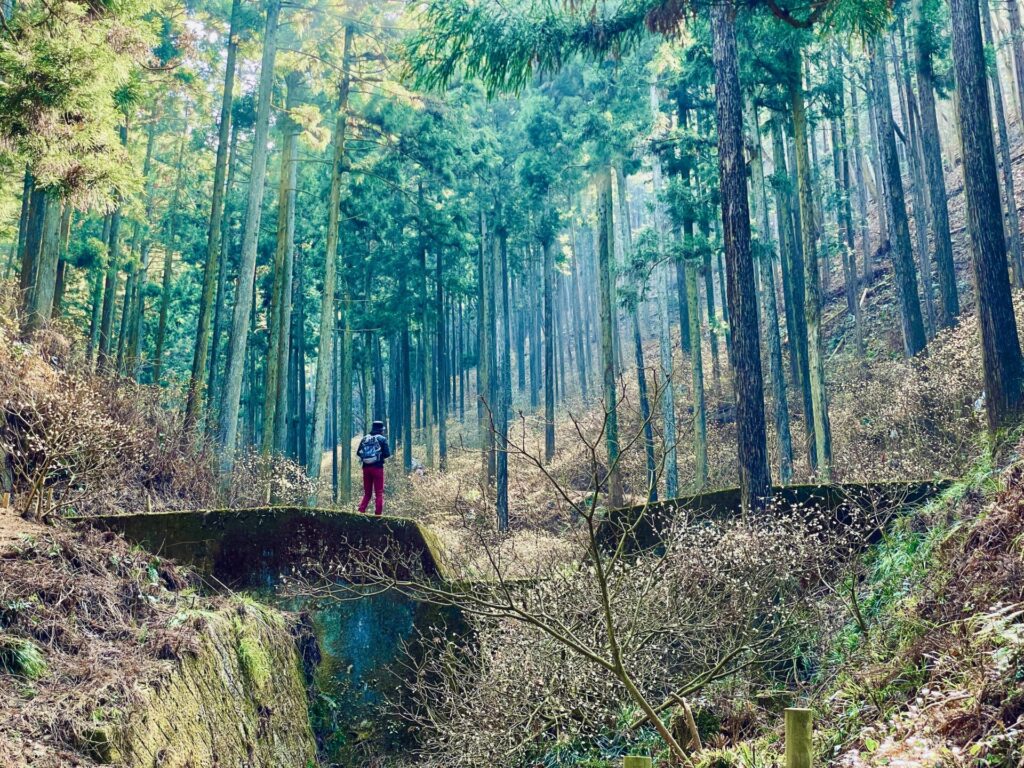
column 373, row 451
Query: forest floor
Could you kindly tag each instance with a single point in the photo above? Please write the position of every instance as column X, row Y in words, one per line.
column 14, row 528
column 87, row 624
column 892, row 419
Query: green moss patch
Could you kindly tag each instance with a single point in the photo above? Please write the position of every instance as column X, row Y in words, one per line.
column 254, row 661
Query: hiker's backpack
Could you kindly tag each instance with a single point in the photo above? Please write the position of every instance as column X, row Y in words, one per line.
column 370, row 450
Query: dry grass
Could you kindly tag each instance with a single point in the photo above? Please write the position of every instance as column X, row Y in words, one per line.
column 86, row 444
column 104, row 618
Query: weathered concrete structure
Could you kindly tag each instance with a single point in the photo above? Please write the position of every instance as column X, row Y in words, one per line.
column 362, row 640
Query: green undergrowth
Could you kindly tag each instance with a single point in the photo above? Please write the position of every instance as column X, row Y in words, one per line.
column 22, row 658
column 604, row 752
column 873, row 667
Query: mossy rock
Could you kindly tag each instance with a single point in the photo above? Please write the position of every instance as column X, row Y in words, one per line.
column 362, row 646
column 101, row 744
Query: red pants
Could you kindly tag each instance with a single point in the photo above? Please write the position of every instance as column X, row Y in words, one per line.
column 373, row 482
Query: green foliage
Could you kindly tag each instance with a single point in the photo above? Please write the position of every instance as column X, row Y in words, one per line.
column 22, row 658
column 69, row 72
column 858, row 18
column 504, row 45
column 745, row 755
column 87, row 253
column 885, row 594
column 604, row 751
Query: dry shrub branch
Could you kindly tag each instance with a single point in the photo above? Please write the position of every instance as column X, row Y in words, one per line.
column 76, row 443
column 560, row 641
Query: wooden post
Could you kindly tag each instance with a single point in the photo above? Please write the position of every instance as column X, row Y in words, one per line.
column 633, row 761
column 798, row 738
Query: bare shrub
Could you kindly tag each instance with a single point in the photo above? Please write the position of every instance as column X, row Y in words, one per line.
column 103, row 616
column 257, row 480
column 723, row 600
column 900, row 419
column 571, row 643
column 81, row 444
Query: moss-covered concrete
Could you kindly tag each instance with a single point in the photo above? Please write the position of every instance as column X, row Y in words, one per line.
column 363, row 641
column 643, row 524
column 237, row 697
column 250, row 548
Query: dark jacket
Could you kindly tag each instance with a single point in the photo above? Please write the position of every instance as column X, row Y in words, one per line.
column 385, row 449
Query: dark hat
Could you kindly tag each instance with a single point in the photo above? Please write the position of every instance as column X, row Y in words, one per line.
column 377, row 427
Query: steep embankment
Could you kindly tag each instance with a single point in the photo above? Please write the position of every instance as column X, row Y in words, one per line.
column 107, row 655
column 936, row 674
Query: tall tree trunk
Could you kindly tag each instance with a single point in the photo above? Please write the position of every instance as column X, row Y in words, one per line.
column 708, row 272
column 645, row 405
column 666, row 386
column 700, row 429
column 33, row 238
column 463, row 372
column 96, row 304
column 485, row 361
column 284, row 354
column 504, row 392
column 66, row 220
column 818, row 418
column 426, row 359
column 130, row 288
column 535, row 313
column 444, row 382
column 1012, row 218
column 194, row 398
column 277, row 340
column 333, row 416
column 219, row 308
column 548, row 250
column 575, row 288
column 881, row 203
column 165, row 293
column 924, row 45
column 104, row 361
column 1000, row 345
column 768, row 303
column 915, row 155
column 857, row 149
column 902, row 251
column 1017, row 45
column 133, row 354
column 326, row 351
column 405, row 390
column 41, row 296
column 18, row 246
column 792, row 279
column 606, row 279
column 247, row 265
column 299, row 326
column 842, row 159
column 752, row 452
